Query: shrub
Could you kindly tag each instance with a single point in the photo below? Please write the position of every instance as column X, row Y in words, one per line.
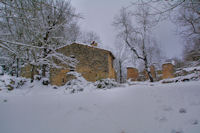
column 106, row 84
column 45, row 81
column 10, row 82
column 77, row 84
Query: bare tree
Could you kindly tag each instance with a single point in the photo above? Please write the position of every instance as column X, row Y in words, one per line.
column 187, row 17
column 184, row 13
column 88, row 37
column 137, row 36
column 32, row 29
column 122, row 56
column 154, row 53
column 73, row 33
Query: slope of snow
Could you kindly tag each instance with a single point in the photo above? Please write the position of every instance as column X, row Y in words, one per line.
column 140, row 108
column 1, row 70
column 192, row 68
column 189, row 77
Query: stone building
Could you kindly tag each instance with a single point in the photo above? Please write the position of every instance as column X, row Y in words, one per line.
column 93, row 63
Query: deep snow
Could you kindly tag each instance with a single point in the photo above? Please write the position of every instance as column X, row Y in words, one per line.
column 140, row 108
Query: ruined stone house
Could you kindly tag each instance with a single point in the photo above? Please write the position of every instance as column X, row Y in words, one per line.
column 93, row 63
column 166, row 72
column 132, row 74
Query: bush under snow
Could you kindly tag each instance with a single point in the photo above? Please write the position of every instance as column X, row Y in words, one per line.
column 106, row 84
column 10, row 82
column 78, row 83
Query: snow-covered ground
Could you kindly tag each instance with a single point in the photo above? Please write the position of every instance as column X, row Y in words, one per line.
column 140, row 108
column 192, row 68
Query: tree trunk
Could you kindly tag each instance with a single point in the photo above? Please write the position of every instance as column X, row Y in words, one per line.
column 32, row 73
column 13, row 69
column 150, row 76
column 147, row 70
column 44, row 70
column 120, row 71
column 44, row 65
column 17, row 68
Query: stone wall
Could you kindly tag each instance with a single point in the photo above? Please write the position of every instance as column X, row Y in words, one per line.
column 112, row 74
column 26, row 71
column 159, row 75
column 167, row 71
column 132, row 73
column 153, row 71
column 58, row 76
column 94, row 64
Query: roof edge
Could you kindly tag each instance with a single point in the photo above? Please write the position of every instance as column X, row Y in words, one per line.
column 87, row 46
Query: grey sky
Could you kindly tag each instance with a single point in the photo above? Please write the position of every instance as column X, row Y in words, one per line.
column 98, row 17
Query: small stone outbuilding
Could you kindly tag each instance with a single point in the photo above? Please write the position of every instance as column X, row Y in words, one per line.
column 93, row 63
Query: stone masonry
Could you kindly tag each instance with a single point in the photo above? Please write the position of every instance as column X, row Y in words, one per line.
column 132, row 73
column 167, row 71
column 153, row 71
column 94, row 64
column 26, row 71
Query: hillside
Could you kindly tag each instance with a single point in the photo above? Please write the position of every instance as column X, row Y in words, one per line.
column 140, row 108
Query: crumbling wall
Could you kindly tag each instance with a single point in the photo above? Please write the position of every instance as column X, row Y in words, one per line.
column 167, row 71
column 153, row 71
column 132, row 73
column 26, row 71
column 94, row 64
column 58, row 76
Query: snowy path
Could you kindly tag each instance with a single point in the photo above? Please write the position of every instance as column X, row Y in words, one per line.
column 135, row 109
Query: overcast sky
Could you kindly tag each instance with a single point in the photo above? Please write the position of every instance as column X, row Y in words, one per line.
column 98, row 17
